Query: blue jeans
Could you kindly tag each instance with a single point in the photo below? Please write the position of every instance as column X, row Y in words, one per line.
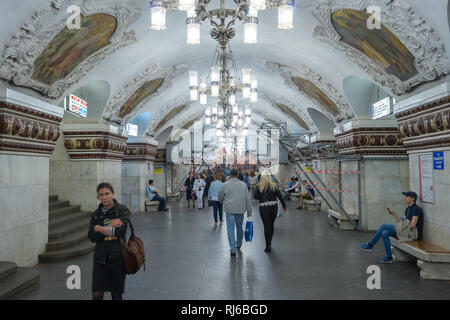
column 217, row 206
column 235, row 219
column 385, row 231
column 162, row 202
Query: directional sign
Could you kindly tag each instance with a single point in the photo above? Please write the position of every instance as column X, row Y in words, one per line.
column 438, row 160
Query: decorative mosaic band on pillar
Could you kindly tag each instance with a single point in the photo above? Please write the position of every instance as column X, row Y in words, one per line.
column 371, row 141
column 140, row 152
column 27, row 131
column 160, row 156
column 426, row 126
column 94, row 145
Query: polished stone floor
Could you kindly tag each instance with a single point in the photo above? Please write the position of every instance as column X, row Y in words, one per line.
column 188, row 258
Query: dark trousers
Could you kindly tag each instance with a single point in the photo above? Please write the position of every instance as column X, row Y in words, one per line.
column 217, row 206
column 162, row 202
column 268, row 215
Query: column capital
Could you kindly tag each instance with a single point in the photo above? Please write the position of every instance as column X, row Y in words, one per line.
column 139, row 152
column 94, row 142
column 370, row 138
column 28, row 126
column 426, row 125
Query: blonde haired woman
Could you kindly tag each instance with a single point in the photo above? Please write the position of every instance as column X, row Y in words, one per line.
column 267, row 192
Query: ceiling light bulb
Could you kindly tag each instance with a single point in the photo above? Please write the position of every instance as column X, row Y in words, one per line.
column 186, row 5
column 158, row 14
column 286, row 15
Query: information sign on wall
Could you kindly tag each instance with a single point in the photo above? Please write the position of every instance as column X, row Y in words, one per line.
column 76, row 106
column 158, row 170
column 438, row 160
column 132, row 130
column 382, row 108
column 426, row 178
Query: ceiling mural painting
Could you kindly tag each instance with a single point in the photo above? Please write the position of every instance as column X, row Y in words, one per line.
column 144, row 91
column 135, row 96
column 315, row 88
column 70, row 47
column 380, row 45
column 404, row 53
column 293, row 115
column 315, row 93
column 169, row 116
column 48, row 57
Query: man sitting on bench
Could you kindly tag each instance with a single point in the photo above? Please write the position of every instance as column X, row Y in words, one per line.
column 306, row 195
column 293, row 187
column 152, row 195
column 413, row 213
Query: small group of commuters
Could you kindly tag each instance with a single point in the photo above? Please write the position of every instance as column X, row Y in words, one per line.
column 294, row 187
column 109, row 222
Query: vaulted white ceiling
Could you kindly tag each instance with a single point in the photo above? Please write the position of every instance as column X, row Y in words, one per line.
column 294, row 50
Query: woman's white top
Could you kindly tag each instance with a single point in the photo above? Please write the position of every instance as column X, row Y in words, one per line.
column 199, row 185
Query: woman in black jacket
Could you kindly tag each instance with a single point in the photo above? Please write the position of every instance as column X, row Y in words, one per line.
column 267, row 192
column 108, row 226
column 189, row 184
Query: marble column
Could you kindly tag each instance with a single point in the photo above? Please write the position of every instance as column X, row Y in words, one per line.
column 159, row 172
column 92, row 154
column 383, row 172
column 29, row 129
column 424, row 126
column 137, row 169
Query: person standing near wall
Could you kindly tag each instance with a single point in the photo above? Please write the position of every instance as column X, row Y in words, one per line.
column 199, row 188
column 108, row 225
column 267, row 192
column 235, row 199
column 213, row 195
column 189, row 184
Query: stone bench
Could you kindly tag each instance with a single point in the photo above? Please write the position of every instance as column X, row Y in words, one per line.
column 311, row 205
column 173, row 197
column 295, row 194
column 432, row 260
column 151, row 206
column 342, row 220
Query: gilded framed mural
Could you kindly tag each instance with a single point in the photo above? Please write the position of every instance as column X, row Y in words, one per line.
column 293, row 115
column 46, row 56
column 312, row 91
column 403, row 53
column 172, row 113
column 380, row 45
column 71, row 47
column 144, row 91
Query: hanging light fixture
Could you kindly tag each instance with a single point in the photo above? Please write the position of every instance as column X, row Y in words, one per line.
column 258, row 4
column 222, row 29
column 158, row 15
column 254, row 91
column 203, row 93
column 251, row 27
column 192, row 27
column 286, row 15
column 185, row 5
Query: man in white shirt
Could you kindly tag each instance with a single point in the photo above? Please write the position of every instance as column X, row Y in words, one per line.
column 152, row 195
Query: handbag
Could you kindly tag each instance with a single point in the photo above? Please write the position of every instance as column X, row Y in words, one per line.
column 133, row 253
column 249, row 231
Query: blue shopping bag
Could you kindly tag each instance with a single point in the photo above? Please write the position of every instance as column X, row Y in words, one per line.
column 249, row 231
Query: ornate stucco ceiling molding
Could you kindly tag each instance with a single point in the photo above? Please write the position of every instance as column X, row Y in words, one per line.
column 287, row 72
column 152, row 72
column 158, row 117
column 24, row 47
column 411, row 29
column 275, row 99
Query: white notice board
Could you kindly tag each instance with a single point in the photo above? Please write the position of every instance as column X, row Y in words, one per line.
column 426, row 181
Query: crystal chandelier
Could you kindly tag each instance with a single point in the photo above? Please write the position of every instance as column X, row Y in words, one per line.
column 226, row 114
column 197, row 11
